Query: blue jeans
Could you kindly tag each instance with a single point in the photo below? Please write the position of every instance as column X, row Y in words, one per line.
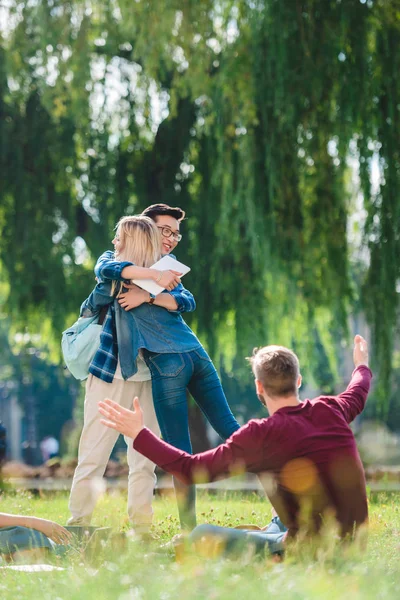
column 236, row 540
column 16, row 539
column 171, row 376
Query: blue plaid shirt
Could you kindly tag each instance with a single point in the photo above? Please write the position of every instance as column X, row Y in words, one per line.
column 105, row 361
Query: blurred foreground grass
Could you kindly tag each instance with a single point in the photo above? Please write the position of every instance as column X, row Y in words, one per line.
column 149, row 571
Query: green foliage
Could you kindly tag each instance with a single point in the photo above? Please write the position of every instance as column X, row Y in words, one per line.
column 38, row 385
column 243, row 113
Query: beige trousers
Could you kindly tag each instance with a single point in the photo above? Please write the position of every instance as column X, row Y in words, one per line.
column 95, row 447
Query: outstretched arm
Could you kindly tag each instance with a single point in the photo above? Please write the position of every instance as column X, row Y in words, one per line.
column 352, row 401
column 240, row 453
column 52, row 530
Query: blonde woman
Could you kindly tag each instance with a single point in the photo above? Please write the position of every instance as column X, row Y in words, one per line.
column 118, row 373
column 175, row 357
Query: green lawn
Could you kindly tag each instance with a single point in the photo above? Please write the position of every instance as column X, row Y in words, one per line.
column 144, row 571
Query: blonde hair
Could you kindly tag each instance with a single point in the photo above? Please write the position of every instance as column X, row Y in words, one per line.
column 140, row 241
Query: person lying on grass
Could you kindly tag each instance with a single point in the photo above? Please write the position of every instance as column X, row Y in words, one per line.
column 30, row 538
column 305, row 452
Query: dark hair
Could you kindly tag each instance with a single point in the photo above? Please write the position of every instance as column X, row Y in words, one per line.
column 277, row 368
column 156, row 210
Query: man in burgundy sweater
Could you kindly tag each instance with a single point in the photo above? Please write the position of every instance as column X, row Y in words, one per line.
column 305, row 452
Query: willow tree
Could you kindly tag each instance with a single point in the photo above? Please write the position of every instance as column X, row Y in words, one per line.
column 245, row 113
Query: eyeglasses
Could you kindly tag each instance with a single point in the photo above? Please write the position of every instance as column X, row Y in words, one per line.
column 166, row 231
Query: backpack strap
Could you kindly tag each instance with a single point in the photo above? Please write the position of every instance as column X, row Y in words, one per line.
column 102, row 314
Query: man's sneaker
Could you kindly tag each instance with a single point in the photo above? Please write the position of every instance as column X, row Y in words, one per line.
column 276, row 526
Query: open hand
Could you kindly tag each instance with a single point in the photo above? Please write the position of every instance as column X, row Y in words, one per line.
column 360, row 352
column 52, row 530
column 133, row 298
column 169, row 279
column 128, row 422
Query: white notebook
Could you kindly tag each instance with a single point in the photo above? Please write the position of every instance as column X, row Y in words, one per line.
column 166, row 263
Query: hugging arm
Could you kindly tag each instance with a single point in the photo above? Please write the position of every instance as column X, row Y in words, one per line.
column 178, row 300
column 107, row 268
column 99, row 297
column 184, row 299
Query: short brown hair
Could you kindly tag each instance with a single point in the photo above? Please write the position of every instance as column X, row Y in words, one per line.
column 277, row 368
column 155, row 210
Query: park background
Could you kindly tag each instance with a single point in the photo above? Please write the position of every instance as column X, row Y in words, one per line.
column 274, row 125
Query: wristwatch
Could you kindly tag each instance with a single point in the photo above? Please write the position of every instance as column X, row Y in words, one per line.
column 152, row 298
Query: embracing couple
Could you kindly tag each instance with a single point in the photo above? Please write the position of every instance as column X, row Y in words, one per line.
column 146, row 350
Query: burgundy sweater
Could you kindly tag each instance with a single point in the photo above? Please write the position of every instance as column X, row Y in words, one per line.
column 306, row 457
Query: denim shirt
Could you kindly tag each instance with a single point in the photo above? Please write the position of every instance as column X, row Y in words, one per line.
column 146, row 326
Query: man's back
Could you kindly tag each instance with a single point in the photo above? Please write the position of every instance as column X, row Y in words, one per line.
column 305, row 454
column 312, row 455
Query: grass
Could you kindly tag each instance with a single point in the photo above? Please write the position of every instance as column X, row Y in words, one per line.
column 142, row 572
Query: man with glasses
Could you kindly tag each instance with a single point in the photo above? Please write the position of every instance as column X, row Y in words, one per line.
column 168, row 221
